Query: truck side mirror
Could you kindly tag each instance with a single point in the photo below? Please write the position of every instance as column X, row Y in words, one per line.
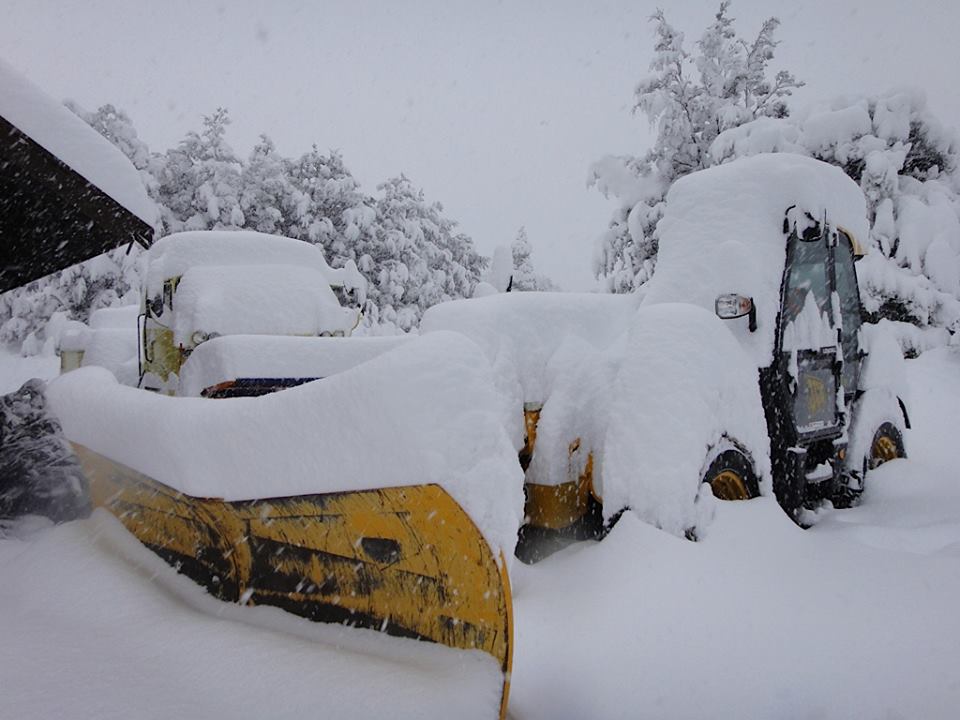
column 731, row 306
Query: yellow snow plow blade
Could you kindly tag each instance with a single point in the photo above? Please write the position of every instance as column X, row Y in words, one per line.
column 407, row 561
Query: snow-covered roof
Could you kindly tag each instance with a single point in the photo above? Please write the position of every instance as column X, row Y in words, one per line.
column 257, row 300
column 722, row 232
column 427, row 412
column 173, row 255
column 51, row 125
column 262, row 356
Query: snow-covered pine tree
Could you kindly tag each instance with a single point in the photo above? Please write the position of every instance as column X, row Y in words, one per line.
column 419, row 258
column 524, row 275
column 79, row 290
column 200, row 180
column 690, row 99
column 331, row 209
column 268, row 199
column 908, row 166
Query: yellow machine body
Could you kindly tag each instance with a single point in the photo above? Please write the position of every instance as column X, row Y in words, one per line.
column 559, row 506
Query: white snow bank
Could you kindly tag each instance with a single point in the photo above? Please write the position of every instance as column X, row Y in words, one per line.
column 520, row 332
column 257, row 300
column 16, row 370
column 261, row 356
column 425, row 413
column 116, row 350
column 881, row 280
column 171, row 256
column 124, row 316
column 655, row 410
column 722, row 232
column 763, row 135
column 837, row 130
column 882, row 385
column 90, row 635
column 51, row 125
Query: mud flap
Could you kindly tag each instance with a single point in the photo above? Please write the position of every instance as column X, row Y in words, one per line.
column 406, row 561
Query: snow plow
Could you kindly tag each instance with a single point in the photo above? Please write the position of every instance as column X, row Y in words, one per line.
column 405, row 561
column 401, row 541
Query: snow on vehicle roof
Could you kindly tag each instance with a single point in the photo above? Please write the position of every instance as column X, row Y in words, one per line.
column 722, row 232
column 257, row 300
column 173, row 255
column 426, row 412
column 51, row 125
column 520, row 331
column 262, row 356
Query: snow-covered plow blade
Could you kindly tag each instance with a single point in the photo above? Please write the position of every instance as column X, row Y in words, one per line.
column 406, row 561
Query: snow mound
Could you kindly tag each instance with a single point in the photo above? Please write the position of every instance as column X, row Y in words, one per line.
column 51, row 125
column 257, row 300
column 520, row 332
column 119, row 629
column 171, row 256
column 654, row 409
column 722, row 232
column 259, row 356
column 122, row 317
column 116, row 350
column 427, row 412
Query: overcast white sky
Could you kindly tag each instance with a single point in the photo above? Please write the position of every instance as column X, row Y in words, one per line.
column 495, row 109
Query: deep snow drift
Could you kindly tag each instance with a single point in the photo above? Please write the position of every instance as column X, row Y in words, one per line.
column 96, row 626
column 855, row 617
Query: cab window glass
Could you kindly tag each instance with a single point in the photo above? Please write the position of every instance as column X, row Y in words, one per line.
column 806, row 275
column 849, row 310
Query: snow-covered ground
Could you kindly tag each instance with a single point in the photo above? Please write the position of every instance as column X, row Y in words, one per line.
column 855, row 617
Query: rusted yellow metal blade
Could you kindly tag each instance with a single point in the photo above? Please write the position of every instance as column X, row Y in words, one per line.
column 407, row 561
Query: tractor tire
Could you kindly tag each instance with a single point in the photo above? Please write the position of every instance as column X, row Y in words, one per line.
column 887, row 445
column 731, row 477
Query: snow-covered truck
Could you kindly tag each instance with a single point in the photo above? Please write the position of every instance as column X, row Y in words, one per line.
column 206, row 284
column 743, row 367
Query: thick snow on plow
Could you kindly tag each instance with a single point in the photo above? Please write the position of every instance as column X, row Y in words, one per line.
column 267, row 501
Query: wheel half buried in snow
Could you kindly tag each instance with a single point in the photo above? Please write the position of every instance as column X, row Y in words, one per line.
column 731, row 477
column 887, row 445
column 406, row 561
